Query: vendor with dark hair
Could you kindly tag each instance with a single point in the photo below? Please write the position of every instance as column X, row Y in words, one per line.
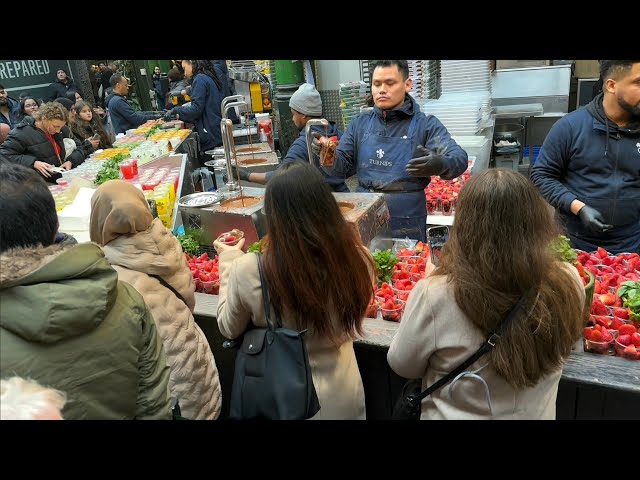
column 123, row 116
column 204, row 109
column 589, row 165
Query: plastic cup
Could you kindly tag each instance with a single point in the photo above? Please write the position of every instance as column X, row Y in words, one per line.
column 127, row 170
column 232, row 237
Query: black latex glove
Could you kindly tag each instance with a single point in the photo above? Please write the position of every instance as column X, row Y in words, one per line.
column 592, row 219
column 169, row 115
column 426, row 165
column 243, row 174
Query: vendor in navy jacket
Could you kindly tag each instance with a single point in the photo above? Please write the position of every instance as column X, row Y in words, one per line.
column 123, row 116
column 204, row 108
column 305, row 104
column 396, row 149
column 589, row 164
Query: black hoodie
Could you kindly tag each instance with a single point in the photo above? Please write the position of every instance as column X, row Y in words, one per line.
column 588, row 157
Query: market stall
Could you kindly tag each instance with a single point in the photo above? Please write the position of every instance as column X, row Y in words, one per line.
column 593, row 385
column 148, row 157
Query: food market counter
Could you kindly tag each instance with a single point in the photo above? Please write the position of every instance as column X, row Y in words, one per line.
column 592, row 386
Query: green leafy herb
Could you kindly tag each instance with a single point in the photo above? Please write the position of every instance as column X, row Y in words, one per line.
column 563, row 251
column 189, row 244
column 629, row 292
column 110, row 169
column 384, row 261
column 152, row 130
column 255, row 247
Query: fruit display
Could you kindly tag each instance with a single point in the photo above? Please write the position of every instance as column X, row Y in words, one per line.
column 616, row 300
column 443, row 194
column 205, row 273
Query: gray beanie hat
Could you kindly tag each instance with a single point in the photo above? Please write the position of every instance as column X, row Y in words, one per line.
column 307, row 101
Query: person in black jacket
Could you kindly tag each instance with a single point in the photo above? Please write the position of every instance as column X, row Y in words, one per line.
column 37, row 142
column 62, row 85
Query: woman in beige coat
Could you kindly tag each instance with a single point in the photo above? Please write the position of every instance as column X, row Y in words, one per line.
column 498, row 249
column 318, row 278
column 141, row 249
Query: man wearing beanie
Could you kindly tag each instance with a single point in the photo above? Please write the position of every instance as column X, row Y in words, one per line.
column 61, row 86
column 396, row 149
column 305, row 104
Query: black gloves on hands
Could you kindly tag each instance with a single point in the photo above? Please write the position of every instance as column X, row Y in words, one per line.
column 427, row 165
column 592, row 219
column 169, row 115
column 243, row 174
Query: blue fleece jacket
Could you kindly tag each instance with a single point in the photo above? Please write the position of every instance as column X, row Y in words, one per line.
column 587, row 157
column 298, row 152
column 204, row 111
column 123, row 116
column 430, row 132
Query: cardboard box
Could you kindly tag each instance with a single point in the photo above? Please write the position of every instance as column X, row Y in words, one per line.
column 502, row 64
column 587, row 69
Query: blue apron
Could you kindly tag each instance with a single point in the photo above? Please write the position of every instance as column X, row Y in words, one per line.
column 381, row 164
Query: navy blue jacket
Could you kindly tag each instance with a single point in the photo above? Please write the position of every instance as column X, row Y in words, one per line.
column 430, row 132
column 589, row 158
column 14, row 113
column 298, row 152
column 123, row 116
column 204, row 111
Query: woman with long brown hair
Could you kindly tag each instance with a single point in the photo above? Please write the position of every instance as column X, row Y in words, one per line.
column 319, row 277
column 498, row 250
column 85, row 126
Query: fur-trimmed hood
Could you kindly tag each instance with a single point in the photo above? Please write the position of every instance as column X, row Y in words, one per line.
column 55, row 292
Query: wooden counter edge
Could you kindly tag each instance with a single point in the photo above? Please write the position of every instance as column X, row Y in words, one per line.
column 606, row 371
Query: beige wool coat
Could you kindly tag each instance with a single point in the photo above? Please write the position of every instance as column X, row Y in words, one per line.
column 194, row 376
column 334, row 368
column 435, row 336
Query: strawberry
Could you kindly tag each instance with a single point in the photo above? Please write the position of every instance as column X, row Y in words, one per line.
column 621, row 313
column 598, row 308
column 586, row 332
column 606, row 336
column 596, row 336
column 627, row 329
column 602, row 320
column 616, row 323
column 602, row 253
column 624, row 340
column 608, row 299
column 635, row 339
column 204, row 257
column 631, row 349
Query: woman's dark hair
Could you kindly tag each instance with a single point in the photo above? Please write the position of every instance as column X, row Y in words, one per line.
column 498, row 249
column 83, row 129
column 23, row 101
column 314, row 261
column 71, row 95
column 27, row 210
column 205, row 67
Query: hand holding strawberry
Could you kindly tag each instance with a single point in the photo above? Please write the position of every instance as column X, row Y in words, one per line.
column 222, row 247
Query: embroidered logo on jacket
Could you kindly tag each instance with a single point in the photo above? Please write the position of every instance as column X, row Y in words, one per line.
column 380, row 153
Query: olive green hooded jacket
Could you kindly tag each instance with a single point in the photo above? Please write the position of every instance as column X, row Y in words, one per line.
column 68, row 323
